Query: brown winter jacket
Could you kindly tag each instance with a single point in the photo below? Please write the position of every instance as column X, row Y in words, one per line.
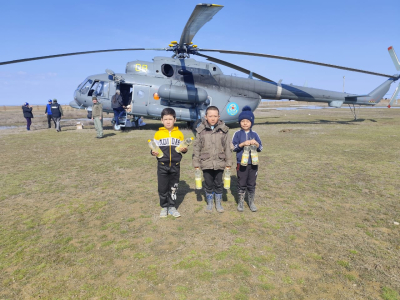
column 211, row 148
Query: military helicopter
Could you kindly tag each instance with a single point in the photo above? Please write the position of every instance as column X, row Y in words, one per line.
column 190, row 86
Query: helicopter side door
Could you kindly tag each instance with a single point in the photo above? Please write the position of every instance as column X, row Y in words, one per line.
column 140, row 99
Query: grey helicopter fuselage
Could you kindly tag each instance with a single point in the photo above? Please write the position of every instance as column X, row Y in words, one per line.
column 190, row 86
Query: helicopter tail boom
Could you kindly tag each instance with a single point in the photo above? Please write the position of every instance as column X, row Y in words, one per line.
column 373, row 97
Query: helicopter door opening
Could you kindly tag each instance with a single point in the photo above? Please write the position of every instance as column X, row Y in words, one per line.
column 126, row 93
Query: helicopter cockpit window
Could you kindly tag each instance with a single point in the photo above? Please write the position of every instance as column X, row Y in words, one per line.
column 99, row 88
column 85, row 88
column 167, row 70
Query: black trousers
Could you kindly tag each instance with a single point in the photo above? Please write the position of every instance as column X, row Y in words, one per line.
column 49, row 119
column 168, row 179
column 247, row 177
column 213, row 181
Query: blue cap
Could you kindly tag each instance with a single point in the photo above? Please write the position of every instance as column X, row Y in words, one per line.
column 247, row 114
column 26, row 103
column 50, row 100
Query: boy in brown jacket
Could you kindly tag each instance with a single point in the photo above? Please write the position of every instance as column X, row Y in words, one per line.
column 212, row 154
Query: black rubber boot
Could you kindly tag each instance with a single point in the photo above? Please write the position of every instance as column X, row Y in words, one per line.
column 218, row 199
column 253, row 208
column 241, row 201
column 210, row 202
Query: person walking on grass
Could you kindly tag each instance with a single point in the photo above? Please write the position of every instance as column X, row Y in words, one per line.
column 168, row 166
column 56, row 113
column 28, row 115
column 48, row 113
column 212, row 154
column 97, row 117
column 246, row 175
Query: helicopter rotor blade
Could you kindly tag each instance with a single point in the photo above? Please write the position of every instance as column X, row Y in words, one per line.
column 201, row 14
column 297, row 60
column 394, row 58
column 235, row 67
column 74, row 53
column 396, row 92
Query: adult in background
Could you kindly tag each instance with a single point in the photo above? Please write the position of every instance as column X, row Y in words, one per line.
column 97, row 116
column 117, row 105
column 57, row 113
column 48, row 113
column 27, row 110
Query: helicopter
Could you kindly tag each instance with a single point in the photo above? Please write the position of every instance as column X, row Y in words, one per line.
column 189, row 86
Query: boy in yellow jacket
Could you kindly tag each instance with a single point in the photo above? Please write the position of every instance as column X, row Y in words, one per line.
column 168, row 168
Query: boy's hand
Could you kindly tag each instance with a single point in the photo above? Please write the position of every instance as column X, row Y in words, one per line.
column 245, row 143
column 184, row 150
column 228, row 167
column 154, row 153
column 254, row 142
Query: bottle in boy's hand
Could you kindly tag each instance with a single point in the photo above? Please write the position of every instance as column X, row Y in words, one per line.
column 197, row 178
column 184, row 144
column 153, row 146
column 227, row 179
column 245, row 156
column 254, row 155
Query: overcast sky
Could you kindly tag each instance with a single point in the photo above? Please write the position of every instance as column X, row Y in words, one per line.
column 349, row 33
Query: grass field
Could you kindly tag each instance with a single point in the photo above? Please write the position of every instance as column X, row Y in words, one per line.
column 79, row 216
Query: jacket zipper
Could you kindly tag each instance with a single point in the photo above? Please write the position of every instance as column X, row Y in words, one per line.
column 170, row 143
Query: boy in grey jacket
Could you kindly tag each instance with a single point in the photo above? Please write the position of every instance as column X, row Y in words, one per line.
column 212, row 154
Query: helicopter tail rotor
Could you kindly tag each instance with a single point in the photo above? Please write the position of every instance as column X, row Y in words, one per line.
column 397, row 65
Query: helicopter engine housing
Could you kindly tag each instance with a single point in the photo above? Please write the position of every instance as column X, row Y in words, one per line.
column 187, row 94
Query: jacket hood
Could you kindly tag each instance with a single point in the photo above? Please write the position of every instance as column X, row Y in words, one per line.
column 173, row 129
column 220, row 125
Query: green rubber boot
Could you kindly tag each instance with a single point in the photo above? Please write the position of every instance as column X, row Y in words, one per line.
column 253, row 208
column 241, row 201
column 210, row 202
column 218, row 206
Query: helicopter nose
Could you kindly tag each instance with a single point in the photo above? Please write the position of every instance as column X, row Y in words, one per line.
column 75, row 104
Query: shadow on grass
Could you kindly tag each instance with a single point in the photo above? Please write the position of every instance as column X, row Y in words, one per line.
column 183, row 189
column 350, row 122
column 108, row 135
column 234, row 188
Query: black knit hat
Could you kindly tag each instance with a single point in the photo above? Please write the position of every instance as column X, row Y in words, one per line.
column 247, row 114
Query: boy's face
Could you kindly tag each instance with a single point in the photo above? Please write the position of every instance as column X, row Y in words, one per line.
column 168, row 121
column 212, row 117
column 245, row 124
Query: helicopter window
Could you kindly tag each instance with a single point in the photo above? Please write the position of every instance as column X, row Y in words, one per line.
column 99, row 88
column 214, row 69
column 167, row 70
column 85, row 88
column 94, row 89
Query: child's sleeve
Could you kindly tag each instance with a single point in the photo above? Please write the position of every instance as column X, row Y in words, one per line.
column 228, row 152
column 196, row 152
column 259, row 142
column 236, row 142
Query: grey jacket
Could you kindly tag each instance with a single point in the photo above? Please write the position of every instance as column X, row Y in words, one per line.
column 211, row 148
column 97, row 110
column 116, row 101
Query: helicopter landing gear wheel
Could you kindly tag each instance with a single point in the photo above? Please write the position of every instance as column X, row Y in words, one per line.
column 117, row 127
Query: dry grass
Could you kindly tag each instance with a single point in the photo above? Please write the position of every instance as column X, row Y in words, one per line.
column 79, row 216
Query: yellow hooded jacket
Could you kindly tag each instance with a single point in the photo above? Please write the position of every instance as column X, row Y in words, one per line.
column 168, row 141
